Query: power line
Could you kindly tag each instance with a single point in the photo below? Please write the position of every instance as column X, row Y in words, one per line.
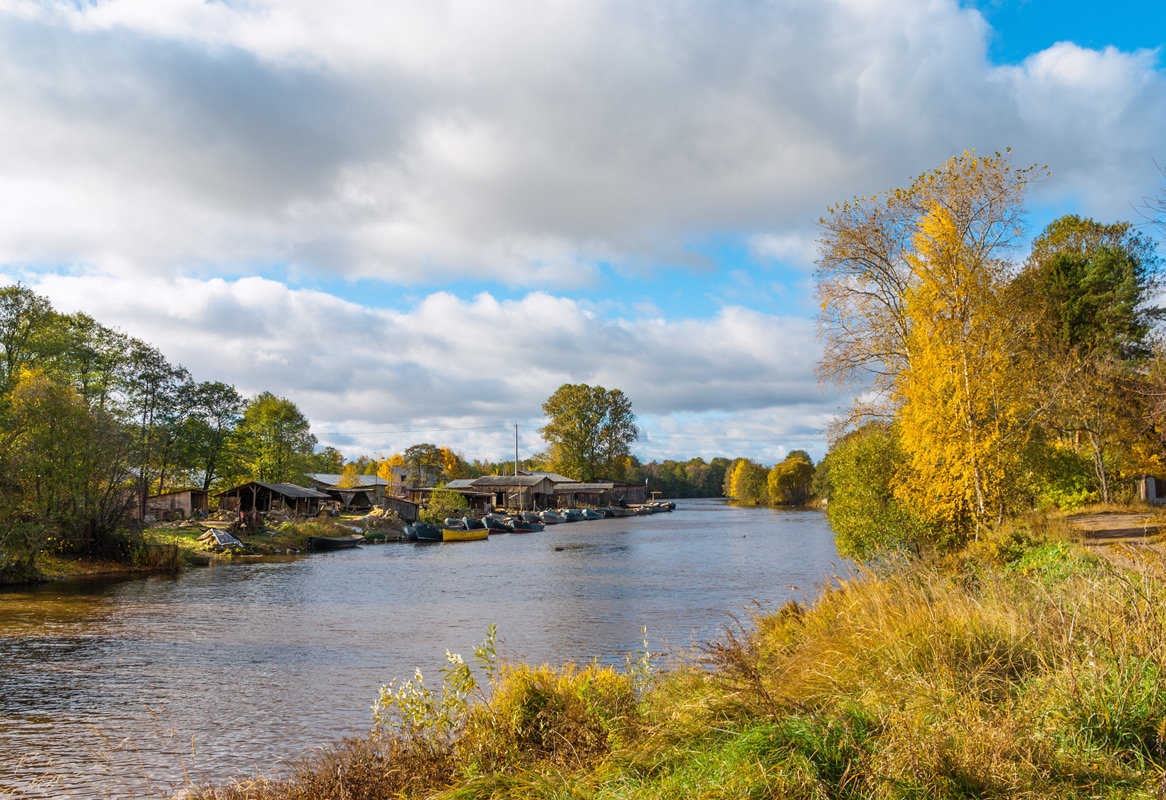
column 713, row 436
column 720, row 437
column 405, row 430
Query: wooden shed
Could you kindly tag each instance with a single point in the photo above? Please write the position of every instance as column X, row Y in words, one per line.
column 518, row 491
column 373, row 486
column 406, row 510
column 170, row 506
column 268, row 497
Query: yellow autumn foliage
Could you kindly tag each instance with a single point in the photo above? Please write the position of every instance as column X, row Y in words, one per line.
column 958, row 396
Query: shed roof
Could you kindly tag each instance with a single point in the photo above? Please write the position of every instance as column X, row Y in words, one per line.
column 334, row 480
column 566, row 488
column 510, row 480
column 179, row 491
column 460, row 483
column 285, row 489
column 553, row 477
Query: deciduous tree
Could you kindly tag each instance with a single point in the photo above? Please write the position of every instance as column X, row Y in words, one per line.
column 277, row 440
column 960, row 395
column 748, row 483
column 867, row 264
column 910, row 285
column 589, row 431
column 868, row 520
column 790, row 481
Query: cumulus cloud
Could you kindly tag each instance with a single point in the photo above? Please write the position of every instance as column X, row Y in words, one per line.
column 464, row 369
column 529, row 143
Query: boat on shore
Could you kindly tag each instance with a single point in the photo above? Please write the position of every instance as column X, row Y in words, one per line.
column 496, row 523
column 423, row 532
column 322, row 543
column 463, row 535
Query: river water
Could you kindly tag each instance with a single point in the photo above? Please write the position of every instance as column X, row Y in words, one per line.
column 130, row 688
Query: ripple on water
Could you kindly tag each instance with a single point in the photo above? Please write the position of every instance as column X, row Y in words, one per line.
column 110, row 687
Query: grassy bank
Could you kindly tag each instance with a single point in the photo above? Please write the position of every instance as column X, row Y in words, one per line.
column 1037, row 672
column 173, row 547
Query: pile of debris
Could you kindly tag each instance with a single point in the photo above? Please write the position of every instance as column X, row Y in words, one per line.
column 377, row 520
column 219, row 540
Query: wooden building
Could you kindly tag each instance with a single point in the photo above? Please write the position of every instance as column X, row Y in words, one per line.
column 373, row 486
column 170, row 506
column 597, row 494
column 518, row 491
column 355, row 498
column 408, row 511
column 1152, row 490
column 268, row 497
column 478, row 499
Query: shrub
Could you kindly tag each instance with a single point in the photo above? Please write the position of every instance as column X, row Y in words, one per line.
column 868, row 521
column 444, row 503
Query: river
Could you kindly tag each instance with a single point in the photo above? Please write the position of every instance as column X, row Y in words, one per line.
column 129, row 688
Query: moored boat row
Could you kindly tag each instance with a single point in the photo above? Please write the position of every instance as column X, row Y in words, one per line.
column 471, row 528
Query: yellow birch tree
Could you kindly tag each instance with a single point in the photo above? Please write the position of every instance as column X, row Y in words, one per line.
column 959, row 399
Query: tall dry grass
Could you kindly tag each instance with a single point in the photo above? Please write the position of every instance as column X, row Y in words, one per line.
column 1039, row 678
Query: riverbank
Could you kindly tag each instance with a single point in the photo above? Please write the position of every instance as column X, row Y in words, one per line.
column 1029, row 667
column 174, row 546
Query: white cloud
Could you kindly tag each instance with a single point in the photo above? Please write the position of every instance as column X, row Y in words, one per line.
column 450, row 364
column 515, row 141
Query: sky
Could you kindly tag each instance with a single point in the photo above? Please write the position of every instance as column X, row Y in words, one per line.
column 416, row 219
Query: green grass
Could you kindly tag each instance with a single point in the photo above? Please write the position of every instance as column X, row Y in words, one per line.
column 1043, row 677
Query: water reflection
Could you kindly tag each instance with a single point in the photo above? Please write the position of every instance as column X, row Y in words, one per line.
column 225, row 670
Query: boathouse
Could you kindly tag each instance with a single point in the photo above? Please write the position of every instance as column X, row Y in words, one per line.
column 273, row 497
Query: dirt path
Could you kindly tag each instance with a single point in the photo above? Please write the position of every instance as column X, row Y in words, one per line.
column 1122, row 538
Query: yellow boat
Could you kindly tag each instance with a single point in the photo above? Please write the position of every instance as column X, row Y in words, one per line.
column 457, row 535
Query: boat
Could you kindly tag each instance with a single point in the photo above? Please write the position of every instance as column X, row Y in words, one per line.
column 550, row 518
column 463, row 535
column 530, row 517
column 573, row 515
column 471, row 523
column 426, row 532
column 592, row 514
column 320, row 543
column 454, row 522
column 619, row 511
column 496, row 524
column 520, row 525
